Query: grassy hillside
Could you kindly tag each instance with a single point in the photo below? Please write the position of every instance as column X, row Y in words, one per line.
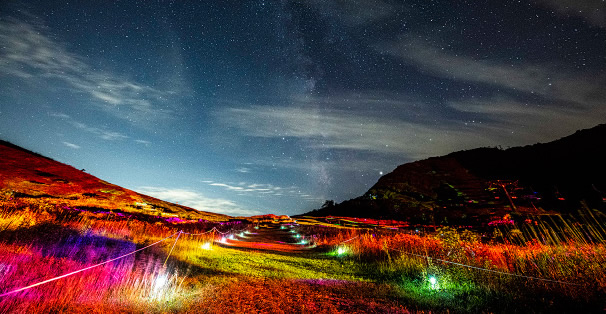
column 479, row 185
column 28, row 175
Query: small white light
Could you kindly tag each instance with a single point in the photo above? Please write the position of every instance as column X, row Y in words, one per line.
column 206, row 246
column 433, row 281
column 160, row 282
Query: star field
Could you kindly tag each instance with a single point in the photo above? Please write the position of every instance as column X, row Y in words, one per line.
column 246, row 107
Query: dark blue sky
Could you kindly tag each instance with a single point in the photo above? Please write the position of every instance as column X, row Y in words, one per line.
column 246, row 107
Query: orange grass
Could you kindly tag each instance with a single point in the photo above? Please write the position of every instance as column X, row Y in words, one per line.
column 378, row 271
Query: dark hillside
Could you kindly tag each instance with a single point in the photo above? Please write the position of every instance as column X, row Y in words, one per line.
column 473, row 186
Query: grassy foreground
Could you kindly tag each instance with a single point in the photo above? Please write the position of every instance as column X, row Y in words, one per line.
column 234, row 267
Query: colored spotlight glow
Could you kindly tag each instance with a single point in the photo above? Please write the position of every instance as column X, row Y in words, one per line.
column 297, row 236
column 341, row 250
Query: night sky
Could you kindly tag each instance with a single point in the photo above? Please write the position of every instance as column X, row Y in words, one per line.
column 247, row 107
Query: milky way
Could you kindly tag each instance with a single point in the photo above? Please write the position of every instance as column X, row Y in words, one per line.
column 246, row 107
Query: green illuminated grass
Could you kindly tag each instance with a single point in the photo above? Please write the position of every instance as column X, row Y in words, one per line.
column 275, row 265
column 266, row 270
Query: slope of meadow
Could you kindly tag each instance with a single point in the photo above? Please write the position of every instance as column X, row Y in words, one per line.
column 284, row 268
column 72, row 243
column 24, row 174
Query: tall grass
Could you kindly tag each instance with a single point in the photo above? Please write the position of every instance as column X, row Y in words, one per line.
column 41, row 241
column 569, row 256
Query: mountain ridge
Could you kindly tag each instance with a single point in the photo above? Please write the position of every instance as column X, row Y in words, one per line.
column 476, row 185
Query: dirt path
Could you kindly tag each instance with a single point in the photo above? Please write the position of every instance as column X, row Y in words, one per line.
column 269, row 238
column 272, row 271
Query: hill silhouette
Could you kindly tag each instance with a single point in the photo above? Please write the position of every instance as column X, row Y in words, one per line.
column 25, row 174
column 473, row 186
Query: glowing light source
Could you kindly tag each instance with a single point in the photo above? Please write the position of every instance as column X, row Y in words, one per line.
column 160, row 282
column 231, row 237
column 282, row 227
column 241, row 234
column 303, row 242
column 434, row 283
column 206, row 246
column 341, row 250
column 297, row 236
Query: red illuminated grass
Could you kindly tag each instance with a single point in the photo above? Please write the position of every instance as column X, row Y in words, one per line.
column 270, row 269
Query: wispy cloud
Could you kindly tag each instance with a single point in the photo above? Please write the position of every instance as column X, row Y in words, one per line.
column 29, row 53
column 71, row 145
column 590, row 10
column 144, row 142
column 196, row 200
column 512, row 119
column 536, row 102
column 549, row 81
column 104, row 134
column 260, row 190
column 341, row 129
